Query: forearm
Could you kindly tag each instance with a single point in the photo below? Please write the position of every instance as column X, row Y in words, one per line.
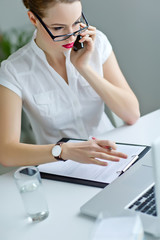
column 120, row 100
column 19, row 154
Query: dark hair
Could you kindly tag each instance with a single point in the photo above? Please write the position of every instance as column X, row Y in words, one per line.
column 39, row 6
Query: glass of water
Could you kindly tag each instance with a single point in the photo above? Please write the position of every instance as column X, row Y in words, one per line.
column 28, row 181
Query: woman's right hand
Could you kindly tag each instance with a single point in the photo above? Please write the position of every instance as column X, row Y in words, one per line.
column 80, row 59
column 91, row 151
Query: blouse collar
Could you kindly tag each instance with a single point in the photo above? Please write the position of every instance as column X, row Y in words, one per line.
column 35, row 47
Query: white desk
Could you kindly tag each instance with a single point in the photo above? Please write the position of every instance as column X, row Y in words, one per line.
column 64, row 199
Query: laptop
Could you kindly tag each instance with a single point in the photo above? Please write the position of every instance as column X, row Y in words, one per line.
column 137, row 191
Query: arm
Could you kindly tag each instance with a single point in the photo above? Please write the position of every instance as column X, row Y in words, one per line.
column 14, row 153
column 113, row 87
column 114, row 90
column 119, row 97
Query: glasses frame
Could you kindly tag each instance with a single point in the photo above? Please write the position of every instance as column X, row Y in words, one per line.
column 66, row 36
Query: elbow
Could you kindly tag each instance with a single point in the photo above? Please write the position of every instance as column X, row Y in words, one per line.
column 2, row 158
column 4, row 161
column 133, row 118
column 133, row 113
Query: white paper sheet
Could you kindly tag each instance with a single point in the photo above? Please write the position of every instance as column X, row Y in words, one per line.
column 127, row 228
column 93, row 172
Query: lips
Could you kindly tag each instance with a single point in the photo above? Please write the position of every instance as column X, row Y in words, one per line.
column 69, row 45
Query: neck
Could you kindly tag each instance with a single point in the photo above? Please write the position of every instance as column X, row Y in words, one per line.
column 52, row 56
column 54, row 60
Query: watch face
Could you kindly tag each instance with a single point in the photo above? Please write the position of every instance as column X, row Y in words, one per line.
column 56, row 151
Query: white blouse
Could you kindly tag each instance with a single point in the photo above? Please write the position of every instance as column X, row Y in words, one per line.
column 56, row 109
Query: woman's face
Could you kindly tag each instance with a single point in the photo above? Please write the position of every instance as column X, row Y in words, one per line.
column 62, row 18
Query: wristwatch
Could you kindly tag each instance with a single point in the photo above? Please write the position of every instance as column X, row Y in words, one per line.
column 57, row 151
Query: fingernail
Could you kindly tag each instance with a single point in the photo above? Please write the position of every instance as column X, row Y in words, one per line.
column 108, row 147
column 93, row 138
column 90, row 138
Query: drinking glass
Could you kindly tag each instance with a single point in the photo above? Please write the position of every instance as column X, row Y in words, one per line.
column 28, row 181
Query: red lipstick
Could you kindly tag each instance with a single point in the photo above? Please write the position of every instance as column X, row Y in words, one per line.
column 69, row 45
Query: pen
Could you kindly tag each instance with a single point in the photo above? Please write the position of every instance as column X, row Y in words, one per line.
column 130, row 164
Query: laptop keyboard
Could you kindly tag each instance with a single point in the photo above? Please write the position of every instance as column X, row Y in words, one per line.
column 145, row 203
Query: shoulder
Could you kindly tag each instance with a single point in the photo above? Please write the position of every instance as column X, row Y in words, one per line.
column 18, row 59
column 101, row 38
column 103, row 45
column 19, row 53
column 11, row 69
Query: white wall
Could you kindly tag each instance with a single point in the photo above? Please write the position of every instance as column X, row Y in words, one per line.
column 12, row 15
column 132, row 26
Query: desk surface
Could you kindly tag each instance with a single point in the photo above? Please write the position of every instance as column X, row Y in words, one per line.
column 65, row 199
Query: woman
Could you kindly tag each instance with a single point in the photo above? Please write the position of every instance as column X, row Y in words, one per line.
column 61, row 90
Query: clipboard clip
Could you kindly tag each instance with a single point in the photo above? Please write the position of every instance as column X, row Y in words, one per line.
column 134, row 159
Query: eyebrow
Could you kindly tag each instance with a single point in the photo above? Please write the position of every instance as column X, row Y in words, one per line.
column 57, row 24
column 60, row 24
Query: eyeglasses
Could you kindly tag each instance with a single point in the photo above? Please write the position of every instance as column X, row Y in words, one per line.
column 65, row 36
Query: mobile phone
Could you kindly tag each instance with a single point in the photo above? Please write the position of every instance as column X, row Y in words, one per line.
column 77, row 45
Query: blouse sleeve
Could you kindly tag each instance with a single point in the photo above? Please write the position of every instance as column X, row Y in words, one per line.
column 8, row 78
column 103, row 45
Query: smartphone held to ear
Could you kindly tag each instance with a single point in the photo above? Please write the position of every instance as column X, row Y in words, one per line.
column 77, row 45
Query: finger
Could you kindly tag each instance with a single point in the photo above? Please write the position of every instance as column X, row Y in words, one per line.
column 98, row 162
column 118, row 154
column 92, row 35
column 87, row 32
column 105, row 156
column 89, row 27
column 92, row 28
column 86, row 38
column 107, row 147
column 111, row 147
column 106, row 144
column 83, row 25
column 88, row 41
column 112, row 152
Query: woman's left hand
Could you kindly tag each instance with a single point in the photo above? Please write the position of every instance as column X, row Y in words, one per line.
column 81, row 57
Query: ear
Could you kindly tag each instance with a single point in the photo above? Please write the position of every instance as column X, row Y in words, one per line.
column 32, row 18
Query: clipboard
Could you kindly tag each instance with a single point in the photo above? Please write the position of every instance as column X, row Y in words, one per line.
column 47, row 174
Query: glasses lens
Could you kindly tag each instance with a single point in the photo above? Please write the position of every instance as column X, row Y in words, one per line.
column 80, row 31
column 76, row 33
column 61, row 38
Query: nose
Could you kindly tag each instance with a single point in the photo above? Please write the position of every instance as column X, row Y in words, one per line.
column 72, row 38
column 71, row 31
